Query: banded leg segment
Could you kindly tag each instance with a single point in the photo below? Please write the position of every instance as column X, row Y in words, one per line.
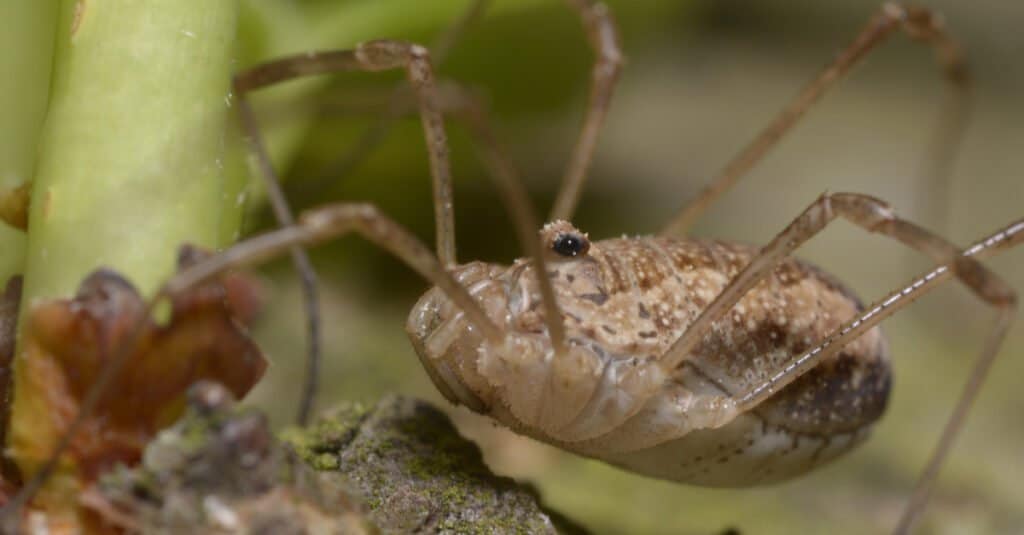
column 867, row 212
column 919, row 24
column 660, row 422
column 1000, row 296
column 1010, row 236
column 874, row 216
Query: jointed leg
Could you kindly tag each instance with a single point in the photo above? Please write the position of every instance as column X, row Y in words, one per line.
column 1005, row 301
column 378, row 56
column 468, row 107
column 333, row 221
column 313, row 227
column 604, row 39
column 370, row 56
column 874, row 216
column 517, row 202
column 870, row 214
column 397, row 107
column 461, row 103
column 299, row 256
column 919, row 24
column 867, row 212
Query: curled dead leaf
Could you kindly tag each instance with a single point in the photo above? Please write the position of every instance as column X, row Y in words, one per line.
column 68, row 342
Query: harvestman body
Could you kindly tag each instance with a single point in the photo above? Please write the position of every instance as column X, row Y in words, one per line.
column 624, row 302
column 703, row 362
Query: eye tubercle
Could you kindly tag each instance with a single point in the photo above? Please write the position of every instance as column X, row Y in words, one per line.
column 564, row 239
column 570, row 245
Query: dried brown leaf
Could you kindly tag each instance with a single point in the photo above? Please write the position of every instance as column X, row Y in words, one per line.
column 68, row 342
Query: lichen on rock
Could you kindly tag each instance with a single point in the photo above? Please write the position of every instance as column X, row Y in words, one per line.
column 395, row 467
column 414, row 472
column 221, row 470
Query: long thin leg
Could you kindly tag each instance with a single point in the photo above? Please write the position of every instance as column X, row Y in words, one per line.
column 874, row 216
column 866, row 212
column 313, row 227
column 447, row 40
column 372, row 137
column 918, row 23
column 378, row 56
column 300, row 259
column 936, row 168
column 461, row 103
column 320, row 224
column 329, row 222
column 371, row 56
column 284, row 215
column 467, row 106
column 1009, row 236
column 603, row 37
column 517, row 202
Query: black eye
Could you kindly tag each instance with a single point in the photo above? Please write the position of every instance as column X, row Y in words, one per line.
column 570, row 245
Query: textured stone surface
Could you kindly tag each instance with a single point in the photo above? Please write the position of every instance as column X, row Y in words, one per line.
column 221, row 470
column 396, row 467
column 416, row 474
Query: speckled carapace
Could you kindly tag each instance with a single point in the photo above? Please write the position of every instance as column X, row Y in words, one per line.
column 624, row 302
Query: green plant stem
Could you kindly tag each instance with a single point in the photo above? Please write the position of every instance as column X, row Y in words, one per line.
column 130, row 160
column 26, row 55
column 131, row 155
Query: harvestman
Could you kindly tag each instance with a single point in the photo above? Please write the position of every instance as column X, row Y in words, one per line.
column 697, row 361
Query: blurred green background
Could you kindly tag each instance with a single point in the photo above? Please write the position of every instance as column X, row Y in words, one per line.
column 702, row 77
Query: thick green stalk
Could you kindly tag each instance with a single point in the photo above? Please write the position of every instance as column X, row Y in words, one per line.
column 132, row 151
column 130, row 163
column 26, row 54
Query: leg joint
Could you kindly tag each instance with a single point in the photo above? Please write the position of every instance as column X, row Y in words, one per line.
column 384, row 54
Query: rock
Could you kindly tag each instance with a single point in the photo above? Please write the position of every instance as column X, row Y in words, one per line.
column 397, row 467
column 414, row 472
column 221, row 470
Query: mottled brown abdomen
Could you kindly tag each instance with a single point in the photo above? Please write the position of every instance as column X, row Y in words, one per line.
column 612, row 396
column 814, row 419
